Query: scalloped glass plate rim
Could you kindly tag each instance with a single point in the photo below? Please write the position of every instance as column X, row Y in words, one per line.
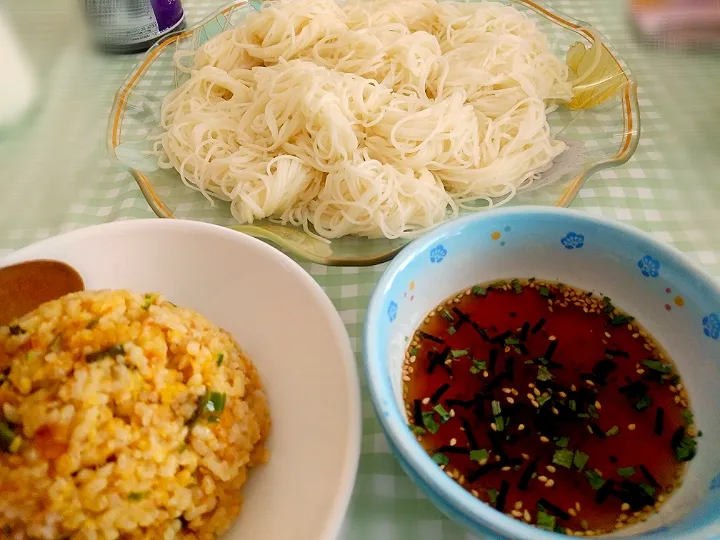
column 626, row 147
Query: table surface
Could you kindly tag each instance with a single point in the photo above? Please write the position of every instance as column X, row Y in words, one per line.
column 56, row 176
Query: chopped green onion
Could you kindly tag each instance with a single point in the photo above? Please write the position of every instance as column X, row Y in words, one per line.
column 688, row 417
column 478, row 366
column 596, row 481
column 512, row 340
column 572, row 405
column 686, row 450
column 500, row 423
column 545, row 521
column 137, row 495
column 563, row 457
column 148, row 301
column 658, row 366
column 612, row 431
column 492, row 495
column 212, row 419
column 648, row 489
column 542, row 399
column 216, row 402
column 9, row 440
column 479, row 291
column 417, row 430
column 446, row 314
column 479, row 455
column 592, row 411
column 444, row 415
column 516, row 285
column 609, row 308
column 544, row 291
column 643, row 403
column 562, row 442
column 622, row 319
column 496, row 410
column 544, row 374
column 220, row 358
column 451, row 330
column 580, row 459
column 440, row 458
column 459, row 353
column 111, row 352
column 413, row 351
column 626, row 472
column 429, row 420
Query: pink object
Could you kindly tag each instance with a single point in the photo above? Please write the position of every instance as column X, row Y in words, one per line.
column 679, row 22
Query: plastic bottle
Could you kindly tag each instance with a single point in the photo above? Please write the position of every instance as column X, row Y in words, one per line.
column 130, row 26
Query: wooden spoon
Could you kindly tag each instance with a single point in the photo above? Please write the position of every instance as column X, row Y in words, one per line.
column 24, row 286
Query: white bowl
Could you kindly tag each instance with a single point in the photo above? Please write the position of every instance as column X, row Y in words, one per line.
column 287, row 326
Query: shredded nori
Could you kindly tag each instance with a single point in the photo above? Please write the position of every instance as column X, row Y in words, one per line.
column 16, row 330
column 109, row 352
column 462, row 403
column 492, row 385
column 524, row 331
column 472, row 441
column 550, row 350
column 553, row 508
column 677, row 437
column 430, row 337
column 527, row 475
column 500, row 338
column 463, row 318
column 492, row 361
column 605, row 491
column 454, row 450
column 617, row 352
column 510, row 368
column 435, row 397
column 659, row 421
column 417, row 413
column 649, row 477
column 502, row 496
column 538, row 325
column 599, row 433
column 479, row 330
column 437, row 359
column 603, row 369
column 634, row 389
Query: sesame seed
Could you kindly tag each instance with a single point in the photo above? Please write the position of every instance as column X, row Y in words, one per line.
column 577, row 506
column 497, row 458
column 506, row 390
column 550, row 309
column 598, row 406
column 573, row 387
column 679, row 386
column 474, row 493
column 640, row 371
column 510, row 400
column 535, row 404
column 486, row 374
column 636, row 335
column 631, row 427
column 453, row 441
column 543, row 478
column 521, row 427
column 515, row 392
column 526, row 516
column 677, row 399
column 589, row 382
column 607, row 335
column 518, row 505
column 544, row 439
column 425, row 401
column 572, row 512
column 531, row 385
column 551, row 338
column 505, row 469
column 452, row 412
column 517, row 513
column 551, row 469
column 555, row 411
column 563, row 395
column 530, row 396
column 550, row 483
column 525, row 456
column 673, row 389
column 493, row 426
column 536, row 391
column 482, row 462
column 625, row 507
column 406, row 378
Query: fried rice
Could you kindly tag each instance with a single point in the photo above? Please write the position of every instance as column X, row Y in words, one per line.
column 124, row 416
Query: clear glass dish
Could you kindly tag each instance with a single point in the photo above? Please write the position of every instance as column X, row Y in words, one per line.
column 601, row 126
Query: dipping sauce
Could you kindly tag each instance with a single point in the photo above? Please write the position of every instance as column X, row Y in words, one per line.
column 550, row 404
column 24, row 286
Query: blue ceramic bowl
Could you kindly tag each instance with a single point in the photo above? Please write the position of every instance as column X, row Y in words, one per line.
column 674, row 300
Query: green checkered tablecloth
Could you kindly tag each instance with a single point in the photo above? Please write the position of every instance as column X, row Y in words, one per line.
column 55, row 176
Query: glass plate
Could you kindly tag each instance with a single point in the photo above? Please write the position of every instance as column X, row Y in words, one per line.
column 601, row 126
